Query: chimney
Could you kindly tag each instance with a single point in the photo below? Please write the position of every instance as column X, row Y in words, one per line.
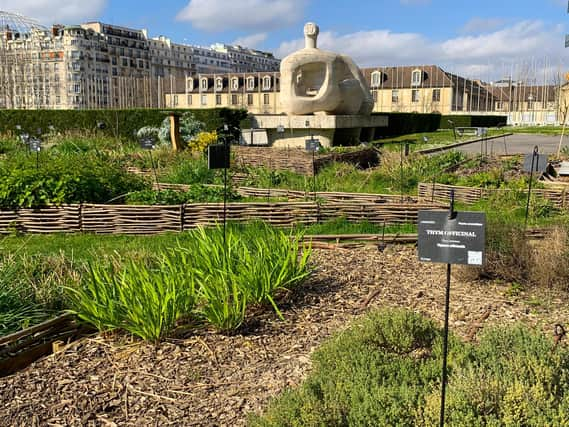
column 8, row 35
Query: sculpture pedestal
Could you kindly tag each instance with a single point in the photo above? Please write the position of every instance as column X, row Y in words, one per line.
column 292, row 131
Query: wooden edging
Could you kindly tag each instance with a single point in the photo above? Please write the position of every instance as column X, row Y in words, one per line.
column 20, row 349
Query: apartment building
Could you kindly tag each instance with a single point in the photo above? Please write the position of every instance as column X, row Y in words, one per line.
column 97, row 65
column 245, row 60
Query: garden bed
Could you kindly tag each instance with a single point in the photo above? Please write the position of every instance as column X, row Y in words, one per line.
column 203, row 378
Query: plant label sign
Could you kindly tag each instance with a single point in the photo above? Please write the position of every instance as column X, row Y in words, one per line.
column 458, row 239
column 539, row 162
column 218, row 156
column 147, row 143
column 311, row 144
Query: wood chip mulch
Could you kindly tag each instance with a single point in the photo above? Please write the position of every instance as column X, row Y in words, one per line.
column 208, row 379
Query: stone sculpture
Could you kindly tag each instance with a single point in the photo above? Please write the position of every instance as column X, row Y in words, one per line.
column 322, row 82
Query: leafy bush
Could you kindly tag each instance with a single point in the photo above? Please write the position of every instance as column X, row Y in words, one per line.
column 62, row 179
column 189, row 171
column 202, row 279
column 385, row 370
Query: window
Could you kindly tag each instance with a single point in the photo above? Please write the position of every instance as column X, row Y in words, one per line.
column 204, row 84
column 499, row 105
column 250, row 83
column 233, row 99
column 77, row 88
column 374, row 94
column 219, row 83
column 395, row 96
column 266, row 83
column 415, row 95
column 189, row 99
column 217, row 99
column 436, row 95
column 375, row 79
column 249, row 99
column 416, row 78
column 266, row 99
column 204, row 100
column 175, row 100
column 234, row 84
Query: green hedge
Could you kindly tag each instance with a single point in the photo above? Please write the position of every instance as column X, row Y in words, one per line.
column 465, row 120
column 407, row 123
column 118, row 123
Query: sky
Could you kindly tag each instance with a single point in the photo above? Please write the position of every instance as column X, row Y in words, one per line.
column 485, row 39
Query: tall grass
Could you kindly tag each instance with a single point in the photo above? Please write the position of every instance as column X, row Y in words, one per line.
column 206, row 277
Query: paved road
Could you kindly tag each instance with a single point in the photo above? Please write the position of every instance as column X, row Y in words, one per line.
column 518, row 144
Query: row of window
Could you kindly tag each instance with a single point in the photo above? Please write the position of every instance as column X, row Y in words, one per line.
column 218, row 100
column 377, row 78
column 415, row 95
column 266, row 83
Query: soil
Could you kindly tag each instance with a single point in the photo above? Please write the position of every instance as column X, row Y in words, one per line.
column 208, row 379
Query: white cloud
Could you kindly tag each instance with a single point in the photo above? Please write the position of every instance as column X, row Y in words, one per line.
column 56, row 11
column 252, row 40
column 476, row 56
column 221, row 15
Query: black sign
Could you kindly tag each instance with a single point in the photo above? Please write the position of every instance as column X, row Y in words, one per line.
column 218, row 156
column 456, row 240
column 311, row 144
column 539, row 162
column 147, row 143
column 35, row 144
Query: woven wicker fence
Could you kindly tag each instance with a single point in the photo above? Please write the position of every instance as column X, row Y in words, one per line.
column 293, row 195
column 440, row 193
column 298, row 160
column 129, row 219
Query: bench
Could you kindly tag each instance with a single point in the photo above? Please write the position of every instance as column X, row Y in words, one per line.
column 476, row 131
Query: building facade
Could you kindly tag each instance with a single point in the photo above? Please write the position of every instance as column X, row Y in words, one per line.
column 410, row 89
column 97, row 65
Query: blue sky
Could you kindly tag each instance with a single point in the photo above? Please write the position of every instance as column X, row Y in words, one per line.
column 473, row 38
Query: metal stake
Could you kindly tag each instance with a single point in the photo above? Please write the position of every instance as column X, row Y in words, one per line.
column 445, row 337
column 154, row 170
column 534, row 155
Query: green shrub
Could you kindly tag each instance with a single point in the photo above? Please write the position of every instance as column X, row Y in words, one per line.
column 64, row 178
column 385, row 371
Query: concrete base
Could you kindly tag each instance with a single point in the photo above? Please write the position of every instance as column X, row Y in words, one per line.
column 292, row 131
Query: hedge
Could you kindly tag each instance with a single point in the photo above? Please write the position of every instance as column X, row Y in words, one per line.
column 117, row 123
column 465, row 120
column 407, row 123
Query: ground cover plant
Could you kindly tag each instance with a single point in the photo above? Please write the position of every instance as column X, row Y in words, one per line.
column 385, row 370
column 212, row 277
